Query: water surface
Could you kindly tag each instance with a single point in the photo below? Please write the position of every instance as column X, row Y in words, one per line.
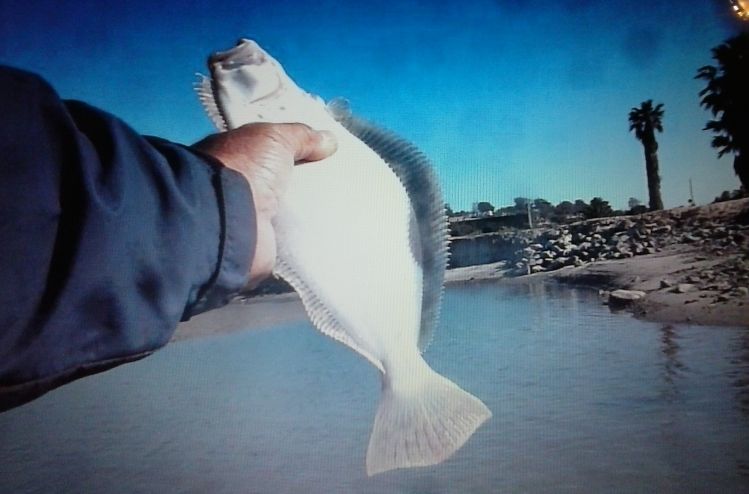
column 583, row 401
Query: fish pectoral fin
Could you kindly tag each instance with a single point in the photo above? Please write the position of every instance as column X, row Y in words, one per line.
column 422, row 426
column 204, row 89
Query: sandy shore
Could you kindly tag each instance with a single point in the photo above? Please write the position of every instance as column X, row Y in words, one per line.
column 644, row 273
column 658, row 275
column 242, row 314
column 698, row 274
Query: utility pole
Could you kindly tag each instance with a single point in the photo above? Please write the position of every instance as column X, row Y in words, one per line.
column 691, row 193
column 530, row 218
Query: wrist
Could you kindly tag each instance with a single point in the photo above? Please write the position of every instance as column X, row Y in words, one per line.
column 264, row 259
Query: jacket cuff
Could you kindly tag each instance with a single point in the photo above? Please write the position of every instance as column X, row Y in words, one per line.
column 236, row 244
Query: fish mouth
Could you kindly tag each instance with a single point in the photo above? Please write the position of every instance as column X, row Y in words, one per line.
column 246, row 52
column 242, row 76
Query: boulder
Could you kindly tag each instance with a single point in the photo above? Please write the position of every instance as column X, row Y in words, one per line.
column 624, row 298
column 684, row 288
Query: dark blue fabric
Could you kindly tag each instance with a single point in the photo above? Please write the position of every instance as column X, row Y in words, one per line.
column 107, row 238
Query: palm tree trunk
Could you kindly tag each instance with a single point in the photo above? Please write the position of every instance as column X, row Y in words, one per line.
column 654, row 179
column 741, row 167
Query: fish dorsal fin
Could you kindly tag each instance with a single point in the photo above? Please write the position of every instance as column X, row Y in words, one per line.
column 204, row 88
column 339, row 109
column 422, row 186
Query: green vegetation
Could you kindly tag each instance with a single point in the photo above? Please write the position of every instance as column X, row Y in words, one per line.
column 542, row 211
column 730, row 195
column 727, row 97
column 484, row 207
column 598, row 208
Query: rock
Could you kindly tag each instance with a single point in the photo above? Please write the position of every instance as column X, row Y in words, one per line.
column 742, row 291
column 624, row 298
column 693, row 279
column 684, row 287
column 666, row 283
column 721, row 286
column 537, row 269
column 559, row 262
column 689, row 238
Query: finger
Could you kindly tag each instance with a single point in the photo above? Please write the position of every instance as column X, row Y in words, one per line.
column 305, row 143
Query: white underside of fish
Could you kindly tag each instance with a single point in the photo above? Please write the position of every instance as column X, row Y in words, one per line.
column 354, row 247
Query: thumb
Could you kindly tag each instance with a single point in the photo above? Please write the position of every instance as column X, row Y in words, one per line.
column 305, row 143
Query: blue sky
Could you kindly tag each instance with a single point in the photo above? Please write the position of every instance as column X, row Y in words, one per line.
column 508, row 97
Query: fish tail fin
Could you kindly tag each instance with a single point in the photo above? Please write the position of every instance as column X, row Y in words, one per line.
column 422, row 422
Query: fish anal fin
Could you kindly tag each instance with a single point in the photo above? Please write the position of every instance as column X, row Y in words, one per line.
column 320, row 316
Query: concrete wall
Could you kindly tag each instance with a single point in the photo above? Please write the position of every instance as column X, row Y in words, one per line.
column 482, row 249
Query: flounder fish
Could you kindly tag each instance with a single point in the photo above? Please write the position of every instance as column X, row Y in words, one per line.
column 362, row 237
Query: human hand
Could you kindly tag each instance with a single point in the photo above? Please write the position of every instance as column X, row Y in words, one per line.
column 265, row 154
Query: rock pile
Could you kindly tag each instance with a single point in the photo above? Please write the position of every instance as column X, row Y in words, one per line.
column 621, row 237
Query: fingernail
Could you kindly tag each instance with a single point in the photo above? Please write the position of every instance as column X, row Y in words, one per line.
column 328, row 142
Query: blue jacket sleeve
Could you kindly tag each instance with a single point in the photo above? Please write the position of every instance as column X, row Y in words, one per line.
column 107, row 239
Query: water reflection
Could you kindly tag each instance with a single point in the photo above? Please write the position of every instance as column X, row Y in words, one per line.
column 672, row 365
column 739, row 371
column 583, row 401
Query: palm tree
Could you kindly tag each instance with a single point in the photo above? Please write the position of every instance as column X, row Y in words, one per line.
column 726, row 97
column 645, row 120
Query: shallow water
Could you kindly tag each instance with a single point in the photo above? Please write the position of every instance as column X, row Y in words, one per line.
column 583, row 401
